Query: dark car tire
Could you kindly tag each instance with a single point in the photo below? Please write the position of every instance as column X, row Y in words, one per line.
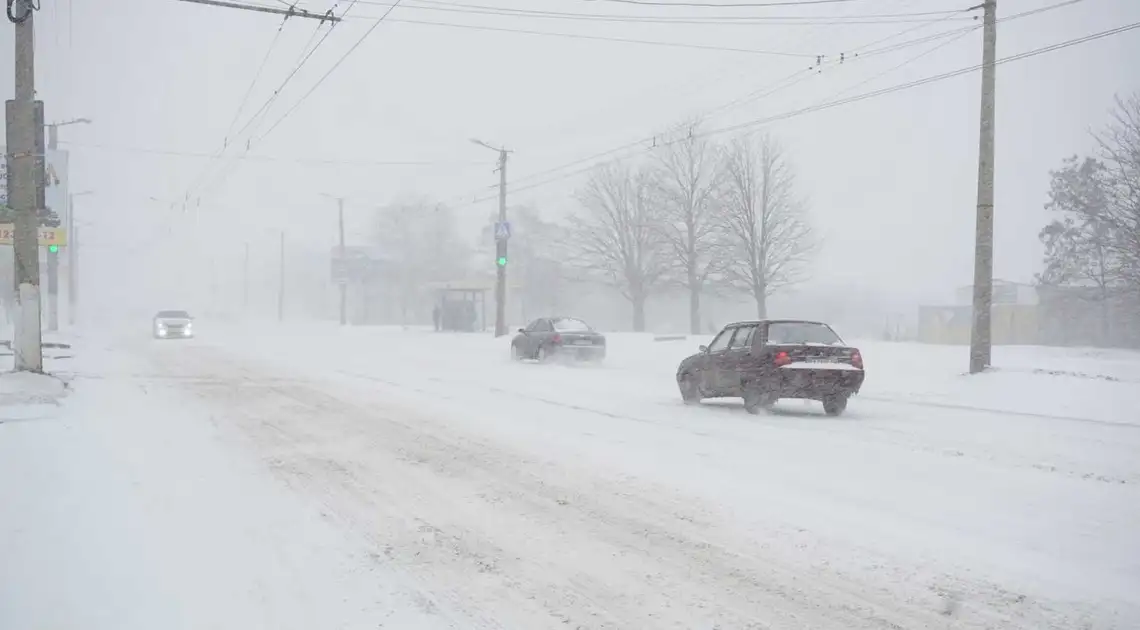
column 834, row 405
column 541, row 355
column 756, row 400
column 515, row 354
column 690, row 392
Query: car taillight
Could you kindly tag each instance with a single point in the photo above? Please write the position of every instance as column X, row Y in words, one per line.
column 782, row 359
column 557, row 339
column 857, row 359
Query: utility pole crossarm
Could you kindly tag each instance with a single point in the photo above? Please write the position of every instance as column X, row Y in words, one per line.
column 289, row 12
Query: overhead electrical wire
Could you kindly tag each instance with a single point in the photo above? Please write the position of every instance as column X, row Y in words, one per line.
column 767, row 90
column 336, row 65
column 747, row 20
column 202, row 177
column 603, row 38
column 274, row 158
column 730, row 5
column 316, row 85
column 833, row 103
column 253, row 82
column 800, row 76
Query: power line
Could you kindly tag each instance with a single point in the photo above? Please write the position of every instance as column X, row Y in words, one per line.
column 326, row 75
column 316, row 85
column 728, row 5
column 784, row 83
column 839, row 102
column 730, row 20
column 802, row 75
column 913, row 84
column 623, row 40
column 273, row 158
column 256, row 76
column 199, row 181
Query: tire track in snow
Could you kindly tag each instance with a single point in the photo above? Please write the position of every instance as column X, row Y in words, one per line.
column 669, row 555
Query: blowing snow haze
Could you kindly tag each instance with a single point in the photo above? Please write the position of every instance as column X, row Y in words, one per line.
column 316, row 255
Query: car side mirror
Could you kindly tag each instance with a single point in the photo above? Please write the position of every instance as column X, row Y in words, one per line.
column 704, row 348
column 522, row 330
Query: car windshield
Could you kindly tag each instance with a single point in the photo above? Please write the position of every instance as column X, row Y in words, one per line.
column 571, row 325
column 173, row 315
column 802, row 333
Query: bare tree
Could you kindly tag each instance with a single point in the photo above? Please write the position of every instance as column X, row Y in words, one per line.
column 769, row 240
column 686, row 176
column 617, row 235
column 423, row 246
column 1120, row 155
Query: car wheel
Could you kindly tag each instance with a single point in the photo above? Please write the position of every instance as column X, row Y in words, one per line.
column 756, row 400
column 540, row 355
column 515, row 355
column 834, row 405
column 690, row 393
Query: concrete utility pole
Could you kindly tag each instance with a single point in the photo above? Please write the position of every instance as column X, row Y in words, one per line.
column 281, row 287
column 72, row 259
column 22, row 161
column 245, row 283
column 53, row 256
column 980, row 337
column 502, row 234
column 343, row 282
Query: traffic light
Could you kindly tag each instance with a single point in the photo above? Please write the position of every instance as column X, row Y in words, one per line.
column 502, row 261
column 53, row 249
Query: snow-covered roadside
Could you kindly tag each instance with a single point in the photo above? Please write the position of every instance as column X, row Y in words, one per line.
column 121, row 509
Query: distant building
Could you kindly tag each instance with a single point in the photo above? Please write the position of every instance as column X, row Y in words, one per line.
column 1039, row 315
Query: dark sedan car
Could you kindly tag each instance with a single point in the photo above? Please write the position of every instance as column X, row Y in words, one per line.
column 558, row 337
column 764, row 361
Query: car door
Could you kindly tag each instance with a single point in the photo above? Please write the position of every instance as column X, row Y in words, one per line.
column 734, row 359
column 543, row 331
column 527, row 344
column 710, row 375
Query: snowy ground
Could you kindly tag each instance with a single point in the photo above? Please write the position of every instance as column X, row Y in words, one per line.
column 312, row 477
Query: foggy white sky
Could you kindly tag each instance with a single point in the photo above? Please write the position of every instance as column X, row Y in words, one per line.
column 892, row 179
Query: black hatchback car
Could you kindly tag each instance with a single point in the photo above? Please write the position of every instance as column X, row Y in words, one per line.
column 764, row 361
column 558, row 337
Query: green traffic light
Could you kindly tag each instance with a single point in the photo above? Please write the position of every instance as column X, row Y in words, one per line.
column 502, row 261
column 53, row 248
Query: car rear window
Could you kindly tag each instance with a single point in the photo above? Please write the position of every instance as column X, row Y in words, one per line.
column 174, row 314
column 802, row 333
column 571, row 325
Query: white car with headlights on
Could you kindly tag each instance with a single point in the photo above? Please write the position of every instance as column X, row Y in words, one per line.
column 173, row 325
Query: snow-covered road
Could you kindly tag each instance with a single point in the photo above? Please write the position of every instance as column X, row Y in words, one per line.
column 361, row 478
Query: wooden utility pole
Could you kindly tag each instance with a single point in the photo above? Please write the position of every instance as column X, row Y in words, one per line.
column 982, row 326
column 22, row 162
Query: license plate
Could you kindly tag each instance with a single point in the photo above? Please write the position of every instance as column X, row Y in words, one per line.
column 583, row 342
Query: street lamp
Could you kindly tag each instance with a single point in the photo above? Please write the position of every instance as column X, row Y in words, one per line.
column 53, row 130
